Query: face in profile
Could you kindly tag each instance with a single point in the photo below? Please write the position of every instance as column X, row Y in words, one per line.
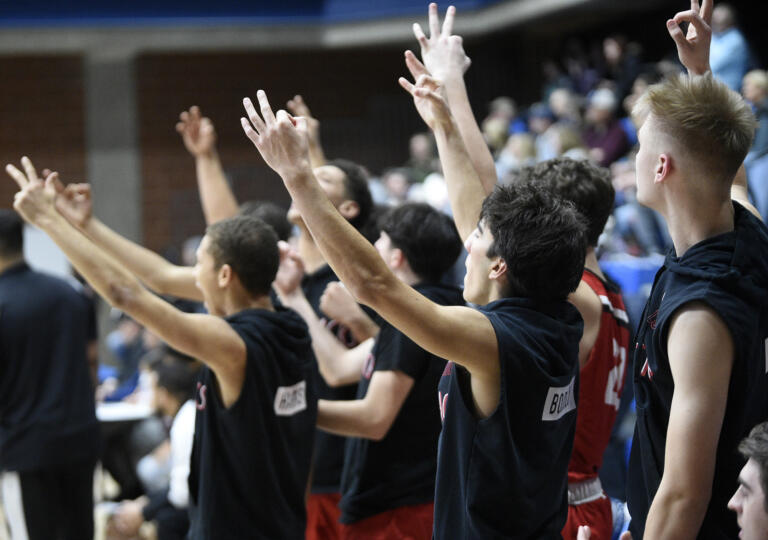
column 749, row 504
column 331, row 180
column 477, row 284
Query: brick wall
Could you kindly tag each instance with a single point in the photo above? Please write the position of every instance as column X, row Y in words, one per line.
column 42, row 116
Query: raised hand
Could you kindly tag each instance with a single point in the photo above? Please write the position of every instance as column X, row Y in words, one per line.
column 35, row 198
column 339, row 304
column 73, row 201
column 289, row 273
column 298, row 107
column 280, row 139
column 197, row 132
column 443, row 53
column 429, row 100
column 693, row 47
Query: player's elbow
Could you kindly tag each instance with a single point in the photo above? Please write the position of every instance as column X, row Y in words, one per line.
column 371, row 289
column 123, row 295
column 378, row 429
column 687, row 502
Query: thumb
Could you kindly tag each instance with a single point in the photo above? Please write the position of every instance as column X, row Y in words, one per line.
column 53, row 181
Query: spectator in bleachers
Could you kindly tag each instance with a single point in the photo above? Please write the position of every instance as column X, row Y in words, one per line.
column 622, row 63
column 603, row 132
column 422, row 159
column 565, row 105
column 520, row 151
column 540, row 117
column 755, row 91
column 174, row 392
column 729, row 53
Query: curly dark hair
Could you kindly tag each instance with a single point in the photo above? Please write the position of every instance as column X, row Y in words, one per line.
column 541, row 237
column 249, row 246
column 427, row 237
column 586, row 185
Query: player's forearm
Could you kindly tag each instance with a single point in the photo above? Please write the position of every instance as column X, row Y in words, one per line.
column 354, row 260
column 675, row 514
column 477, row 148
column 362, row 327
column 152, row 269
column 216, row 197
column 465, row 190
column 354, row 418
column 316, row 154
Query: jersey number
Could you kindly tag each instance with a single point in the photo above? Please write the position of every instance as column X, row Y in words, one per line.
column 616, row 376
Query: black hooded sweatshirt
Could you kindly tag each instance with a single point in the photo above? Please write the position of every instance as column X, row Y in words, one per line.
column 250, row 462
column 729, row 273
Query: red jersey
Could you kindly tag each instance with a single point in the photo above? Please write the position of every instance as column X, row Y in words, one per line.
column 601, row 382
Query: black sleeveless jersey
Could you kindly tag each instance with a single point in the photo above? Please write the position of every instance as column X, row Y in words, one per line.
column 250, row 462
column 398, row 470
column 729, row 273
column 505, row 476
column 329, row 449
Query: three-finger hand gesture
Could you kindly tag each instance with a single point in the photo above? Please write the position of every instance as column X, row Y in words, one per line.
column 298, row 107
column 197, row 132
column 429, row 100
column 443, row 53
column 35, row 198
column 693, row 47
column 280, row 138
column 73, row 201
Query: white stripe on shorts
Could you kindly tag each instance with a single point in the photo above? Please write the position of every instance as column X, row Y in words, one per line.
column 13, row 505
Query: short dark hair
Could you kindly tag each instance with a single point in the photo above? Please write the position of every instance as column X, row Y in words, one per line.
column 11, row 234
column 177, row 373
column 426, row 236
column 356, row 187
column 270, row 213
column 249, row 246
column 755, row 447
column 586, row 185
column 540, row 236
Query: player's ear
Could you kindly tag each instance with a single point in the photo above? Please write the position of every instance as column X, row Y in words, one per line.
column 225, row 275
column 349, row 209
column 663, row 168
column 498, row 269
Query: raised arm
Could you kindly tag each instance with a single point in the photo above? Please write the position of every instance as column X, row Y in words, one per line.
column 338, row 365
column 298, row 107
column 445, row 60
column 700, row 350
column 454, row 333
column 338, row 304
column 205, row 337
column 199, row 138
column 75, row 204
column 465, row 189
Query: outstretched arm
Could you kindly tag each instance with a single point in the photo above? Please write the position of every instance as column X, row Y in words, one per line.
column 700, row 350
column 199, row 138
column 445, row 60
column 208, row 338
column 372, row 416
column 451, row 332
column 465, row 189
column 298, row 107
column 75, row 204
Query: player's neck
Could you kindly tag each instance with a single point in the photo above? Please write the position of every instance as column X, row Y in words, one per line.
column 237, row 302
column 690, row 224
column 6, row 263
column 590, row 262
column 309, row 252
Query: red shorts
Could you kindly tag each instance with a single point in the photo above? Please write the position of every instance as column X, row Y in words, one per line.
column 323, row 516
column 404, row 523
column 597, row 514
